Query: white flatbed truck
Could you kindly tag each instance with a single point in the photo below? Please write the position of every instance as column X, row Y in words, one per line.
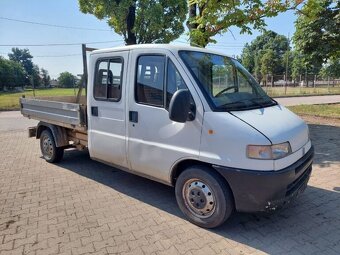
column 187, row 117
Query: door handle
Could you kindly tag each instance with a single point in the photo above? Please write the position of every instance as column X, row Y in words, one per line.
column 133, row 116
column 94, row 111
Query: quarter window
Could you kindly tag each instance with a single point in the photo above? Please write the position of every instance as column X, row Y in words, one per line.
column 150, row 80
column 108, row 82
column 174, row 82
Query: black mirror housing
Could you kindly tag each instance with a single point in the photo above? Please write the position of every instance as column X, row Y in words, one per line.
column 180, row 106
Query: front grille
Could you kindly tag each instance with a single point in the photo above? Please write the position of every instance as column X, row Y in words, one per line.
column 302, row 166
column 299, row 182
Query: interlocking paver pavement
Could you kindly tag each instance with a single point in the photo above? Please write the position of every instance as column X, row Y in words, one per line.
column 83, row 207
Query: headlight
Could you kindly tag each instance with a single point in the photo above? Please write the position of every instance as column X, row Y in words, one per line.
column 274, row 151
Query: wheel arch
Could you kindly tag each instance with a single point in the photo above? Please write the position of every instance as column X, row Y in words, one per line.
column 59, row 133
column 180, row 166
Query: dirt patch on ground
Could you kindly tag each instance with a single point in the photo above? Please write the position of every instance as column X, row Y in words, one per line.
column 321, row 120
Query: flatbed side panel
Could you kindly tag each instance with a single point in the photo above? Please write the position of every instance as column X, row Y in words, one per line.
column 64, row 99
column 57, row 112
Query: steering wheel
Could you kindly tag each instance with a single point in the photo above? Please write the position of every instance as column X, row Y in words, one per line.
column 225, row 90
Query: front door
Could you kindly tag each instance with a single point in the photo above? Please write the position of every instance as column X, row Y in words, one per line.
column 107, row 118
column 155, row 142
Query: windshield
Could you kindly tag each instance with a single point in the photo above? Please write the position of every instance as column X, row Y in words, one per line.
column 226, row 84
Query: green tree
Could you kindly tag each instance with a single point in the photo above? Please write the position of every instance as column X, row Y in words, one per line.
column 286, row 62
column 268, row 64
column 252, row 54
column 331, row 69
column 140, row 21
column 247, row 58
column 24, row 57
column 35, row 77
column 66, row 79
column 317, row 34
column 12, row 74
column 298, row 66
column 257, row 65
column 46, row 79
column 208, row 18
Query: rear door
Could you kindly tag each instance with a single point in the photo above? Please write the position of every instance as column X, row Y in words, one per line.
column 155, row 142
column 107, row 126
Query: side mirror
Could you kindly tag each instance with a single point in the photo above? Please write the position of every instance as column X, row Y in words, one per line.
column 180, row 106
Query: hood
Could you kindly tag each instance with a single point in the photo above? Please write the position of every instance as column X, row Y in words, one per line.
column 278, row 124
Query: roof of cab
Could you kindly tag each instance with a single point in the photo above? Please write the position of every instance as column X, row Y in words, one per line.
column 171, row 47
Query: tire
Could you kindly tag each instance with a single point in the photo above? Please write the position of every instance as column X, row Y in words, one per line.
column 49, row 150
column 204, row 197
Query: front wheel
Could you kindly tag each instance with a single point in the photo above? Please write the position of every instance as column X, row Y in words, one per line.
column 49, row 150
column 204, row 197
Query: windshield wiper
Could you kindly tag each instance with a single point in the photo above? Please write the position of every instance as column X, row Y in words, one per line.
column 233, row 104
column 255, row 102
column 241, row 103
column 263, row 103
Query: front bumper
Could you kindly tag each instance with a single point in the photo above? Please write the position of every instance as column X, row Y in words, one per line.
column 256, row 191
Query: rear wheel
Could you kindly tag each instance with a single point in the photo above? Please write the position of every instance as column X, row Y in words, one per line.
column 49, row 150
column 204, row 197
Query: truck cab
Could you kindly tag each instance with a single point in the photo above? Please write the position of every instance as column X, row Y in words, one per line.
column 196, row 120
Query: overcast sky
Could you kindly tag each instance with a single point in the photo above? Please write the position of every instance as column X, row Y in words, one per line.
column 66, row 13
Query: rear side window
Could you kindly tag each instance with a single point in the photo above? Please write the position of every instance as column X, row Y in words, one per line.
column 108, row 79
column 150, row 80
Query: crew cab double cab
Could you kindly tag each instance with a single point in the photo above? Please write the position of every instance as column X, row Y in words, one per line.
column 187, row 117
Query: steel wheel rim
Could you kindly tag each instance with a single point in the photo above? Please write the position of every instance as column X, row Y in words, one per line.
column 47, row 147
column 199, row 198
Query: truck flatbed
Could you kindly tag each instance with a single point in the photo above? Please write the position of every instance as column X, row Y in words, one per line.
column 61, row 111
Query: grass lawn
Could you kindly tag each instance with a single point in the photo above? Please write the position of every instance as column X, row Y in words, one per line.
column 321, row 110
column 294, row 91
column 10, row 100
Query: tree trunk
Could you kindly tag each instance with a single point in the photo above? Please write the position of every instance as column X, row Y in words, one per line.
column 192, row 15
column 191, row 26
column 130, row 23
column 272, row 80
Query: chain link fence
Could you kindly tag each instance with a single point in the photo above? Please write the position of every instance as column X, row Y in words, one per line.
column 311, row 84
column 278, row 85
